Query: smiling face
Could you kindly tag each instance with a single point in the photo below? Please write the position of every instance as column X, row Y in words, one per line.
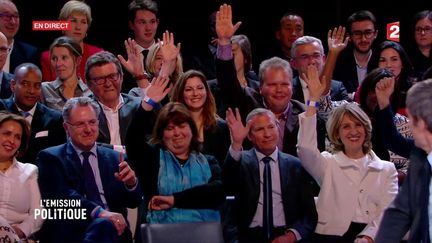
column 82, row 127
column 276, row 89
column 10, row 139
column 79, row 26
column 9, row 25
column 194, row 94
column 264, row 134
column 177, row 139
column 109, row 92
column 352, row 133
column 291, row 28
column 390, row 59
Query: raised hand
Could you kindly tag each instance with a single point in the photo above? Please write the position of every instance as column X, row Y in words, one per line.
column 125, row 174
column 168, row 49
column 237, row 130
column 383, row 90
column 224, row 26
column 159, row 88
column 336, row 39
column 315, row 87
column 134, row 65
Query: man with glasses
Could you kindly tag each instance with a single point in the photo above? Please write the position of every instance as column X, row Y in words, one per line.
column 46, row 124
column 306, row 51
column 20, row 52
column 354, row 63
column 104, row 77
column 5, row 77
column 97, row 176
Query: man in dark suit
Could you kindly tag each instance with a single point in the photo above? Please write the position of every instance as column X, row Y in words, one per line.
column 20, row 52
column 5, row 91
column 104, row 78
column 292, row 209
column 95, row 175
column 355, row 62
column 46, row 124
column 275, row 90
column 306, row 51
column 410, row 211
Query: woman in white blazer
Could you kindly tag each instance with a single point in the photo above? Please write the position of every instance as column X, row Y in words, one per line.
column 356, row 185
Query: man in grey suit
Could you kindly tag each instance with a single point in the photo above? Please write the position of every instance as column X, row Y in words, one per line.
column 292, row 215
column 411, row 210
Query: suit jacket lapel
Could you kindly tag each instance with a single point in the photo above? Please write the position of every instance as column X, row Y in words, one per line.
column 124, row 118
column 283, row 168
column 73, row 158
column 104, row 134
column 249, row 157
column 297, row 90
column 105, row 169
column 37, row 121
column 10, row 105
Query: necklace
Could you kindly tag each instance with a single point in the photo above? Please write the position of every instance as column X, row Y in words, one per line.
column 4, row 168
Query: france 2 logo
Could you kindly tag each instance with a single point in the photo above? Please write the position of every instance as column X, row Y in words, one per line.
column 393, row 31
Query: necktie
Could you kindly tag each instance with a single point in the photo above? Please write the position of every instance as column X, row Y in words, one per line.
column 268, row 202
column 25, row 114
column 91, row 189
column 145, row 53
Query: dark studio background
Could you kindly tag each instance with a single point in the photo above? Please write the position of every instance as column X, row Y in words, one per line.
column 188, row 20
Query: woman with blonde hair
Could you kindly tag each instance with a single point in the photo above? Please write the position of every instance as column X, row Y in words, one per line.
column 356, row 185
column 79, row 15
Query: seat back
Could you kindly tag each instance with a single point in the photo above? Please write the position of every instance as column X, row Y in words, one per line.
column 201, row 232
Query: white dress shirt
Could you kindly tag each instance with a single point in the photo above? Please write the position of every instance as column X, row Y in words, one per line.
column 278, row 210
column 113, row 121
column 93, row 160
column 20, row 196
column 349, row 192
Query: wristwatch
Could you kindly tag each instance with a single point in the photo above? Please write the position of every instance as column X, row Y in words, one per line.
column 315, row 104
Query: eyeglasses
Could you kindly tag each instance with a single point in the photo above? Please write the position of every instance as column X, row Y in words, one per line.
column 4, row 50
column 367, row 34
column 9, row 17
column 305, row 57
column 426, row 30
column 114, row 77
column 83, row 124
